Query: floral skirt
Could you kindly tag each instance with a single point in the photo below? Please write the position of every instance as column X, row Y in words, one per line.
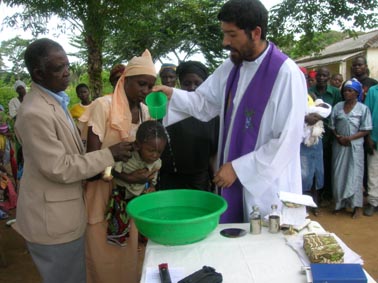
column 117, row 218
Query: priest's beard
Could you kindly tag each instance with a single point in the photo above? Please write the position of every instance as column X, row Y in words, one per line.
column 247, row 52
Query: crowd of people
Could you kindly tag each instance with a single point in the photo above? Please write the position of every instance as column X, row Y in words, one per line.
column 257, row 125
column 338, row 165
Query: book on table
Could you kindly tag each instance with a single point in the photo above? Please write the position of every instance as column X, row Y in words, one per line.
column 337, row 273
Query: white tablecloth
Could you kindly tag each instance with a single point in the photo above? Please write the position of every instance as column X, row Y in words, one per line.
column 253, row 258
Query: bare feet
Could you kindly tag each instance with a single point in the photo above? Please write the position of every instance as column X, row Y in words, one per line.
column 356, row 212
column 336, row 211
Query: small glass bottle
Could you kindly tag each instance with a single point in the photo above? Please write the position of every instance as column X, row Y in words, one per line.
column 274, row 220
column 255, row 221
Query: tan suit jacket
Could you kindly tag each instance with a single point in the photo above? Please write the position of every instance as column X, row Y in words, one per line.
column 50, row 208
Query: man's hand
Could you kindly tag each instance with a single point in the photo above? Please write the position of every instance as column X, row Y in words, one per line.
column 163, row 88
column 225, row 176
column 121, row 151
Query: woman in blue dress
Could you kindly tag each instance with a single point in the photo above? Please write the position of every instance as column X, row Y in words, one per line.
column 350, row 122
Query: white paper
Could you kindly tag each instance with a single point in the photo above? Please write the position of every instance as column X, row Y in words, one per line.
column 299, row 228
column 293, row 215
column 297, row 198
column 152, row 274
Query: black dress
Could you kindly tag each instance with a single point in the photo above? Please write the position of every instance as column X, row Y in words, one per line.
column 186, row 158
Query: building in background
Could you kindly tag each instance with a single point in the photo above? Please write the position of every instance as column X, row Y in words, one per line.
column 338, row 56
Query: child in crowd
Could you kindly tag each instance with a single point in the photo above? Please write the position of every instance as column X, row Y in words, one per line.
column 6, row 139
column 149, row 145
column 350, row 122
column 336, row 80
column 311, row 78
column 4, row 136
column 8, row 195
column 82, row 92
column 312, row 169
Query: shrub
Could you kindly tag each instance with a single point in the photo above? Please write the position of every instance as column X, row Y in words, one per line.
column 6, row 94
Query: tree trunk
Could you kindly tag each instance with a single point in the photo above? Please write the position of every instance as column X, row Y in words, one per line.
column 94, row 65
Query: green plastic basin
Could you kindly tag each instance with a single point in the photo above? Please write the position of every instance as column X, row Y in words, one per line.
column 176, row 217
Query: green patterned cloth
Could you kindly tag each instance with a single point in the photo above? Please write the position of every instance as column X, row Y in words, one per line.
column 322, row 248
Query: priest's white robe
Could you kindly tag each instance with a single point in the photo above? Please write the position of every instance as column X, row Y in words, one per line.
column 274, row 165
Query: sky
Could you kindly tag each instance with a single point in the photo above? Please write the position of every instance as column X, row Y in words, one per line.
column 8, row 33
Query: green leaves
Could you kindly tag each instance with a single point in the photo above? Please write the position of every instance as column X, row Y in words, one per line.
column 305, row 19
column 114, row 31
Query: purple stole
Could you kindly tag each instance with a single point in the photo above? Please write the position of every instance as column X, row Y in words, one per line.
column 246, row 126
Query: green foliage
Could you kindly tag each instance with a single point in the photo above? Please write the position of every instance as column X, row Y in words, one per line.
column 303, row 47
column 14, row 50
column 309, row 18
column 9, row 78
column 6, row 94
column 114, row 31
column 183, row 28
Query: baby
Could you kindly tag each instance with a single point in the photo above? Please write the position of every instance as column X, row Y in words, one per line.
column 148, row 147
column 313, row 132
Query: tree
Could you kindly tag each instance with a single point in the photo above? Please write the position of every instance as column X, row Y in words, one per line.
column 113, row 31
column 14, row 49
column 308, row 18
column 303, row 47
column 94, row 19
column 182, row 28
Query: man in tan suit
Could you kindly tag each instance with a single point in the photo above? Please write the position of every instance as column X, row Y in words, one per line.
column 50, row 211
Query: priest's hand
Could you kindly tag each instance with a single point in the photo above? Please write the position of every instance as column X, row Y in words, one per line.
column 168, row 91
column 225, row 176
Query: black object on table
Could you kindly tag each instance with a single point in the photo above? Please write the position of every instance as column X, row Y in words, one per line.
column 165, row 277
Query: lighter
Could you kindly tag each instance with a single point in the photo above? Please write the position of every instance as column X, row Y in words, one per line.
column 165, row 277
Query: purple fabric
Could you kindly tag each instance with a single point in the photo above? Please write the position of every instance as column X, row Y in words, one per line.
column 247, row 122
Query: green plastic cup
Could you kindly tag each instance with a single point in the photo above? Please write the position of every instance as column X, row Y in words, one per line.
column 157, row 104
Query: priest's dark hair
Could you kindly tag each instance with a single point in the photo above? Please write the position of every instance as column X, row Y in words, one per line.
column 246, row 15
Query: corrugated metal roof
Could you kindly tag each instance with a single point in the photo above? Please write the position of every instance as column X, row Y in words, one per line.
column 346, row 46
column 329, row 60
column 352, row 43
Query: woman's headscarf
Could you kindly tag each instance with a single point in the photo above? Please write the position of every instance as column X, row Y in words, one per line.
column 19, row 83
column 312, row 74
column 120, row 114
column 353, row 84
column 167, row 67
column 190, row 67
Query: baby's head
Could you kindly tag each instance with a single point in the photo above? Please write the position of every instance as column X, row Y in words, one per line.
column 151, row 140
column 320, row 103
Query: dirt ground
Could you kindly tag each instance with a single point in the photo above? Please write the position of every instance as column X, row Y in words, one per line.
column 360, row 234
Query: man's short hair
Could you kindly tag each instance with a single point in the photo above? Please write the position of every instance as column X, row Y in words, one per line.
column 245, row 14
column 79, row 86
column 37, row 51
